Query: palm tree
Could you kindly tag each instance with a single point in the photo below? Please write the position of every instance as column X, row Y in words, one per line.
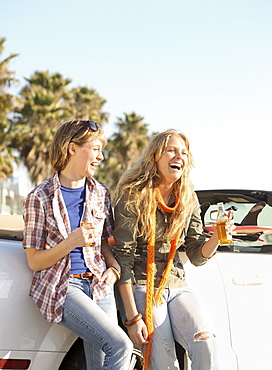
column 33, row 126
column 7, row 105
column 47, row 102
column 86, row 103
column 123, row 148
column 130, row 139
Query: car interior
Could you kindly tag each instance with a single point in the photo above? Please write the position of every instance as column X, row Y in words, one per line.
column 249, row 208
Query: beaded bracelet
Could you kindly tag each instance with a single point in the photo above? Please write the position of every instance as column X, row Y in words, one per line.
column 116, row 271
column 133, row 321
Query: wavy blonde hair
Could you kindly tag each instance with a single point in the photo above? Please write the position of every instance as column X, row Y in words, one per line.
column 139, row 182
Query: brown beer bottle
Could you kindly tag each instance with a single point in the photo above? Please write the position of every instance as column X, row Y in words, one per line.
column 224, row 238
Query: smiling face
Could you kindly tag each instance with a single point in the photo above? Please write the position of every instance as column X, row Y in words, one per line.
column 173, row 161
column 90, row 154
column 85, row 158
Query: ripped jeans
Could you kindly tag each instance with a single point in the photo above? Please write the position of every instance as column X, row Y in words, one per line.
column 106, row 345
column 179, row 318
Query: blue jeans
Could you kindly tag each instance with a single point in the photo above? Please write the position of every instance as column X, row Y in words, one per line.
column 179, row 318
column 106, row 345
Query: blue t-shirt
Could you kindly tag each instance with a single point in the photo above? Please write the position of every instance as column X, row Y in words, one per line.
column 74, row 200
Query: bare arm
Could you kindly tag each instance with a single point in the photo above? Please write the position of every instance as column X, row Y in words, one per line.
column 210, row 246
column 138, row 331
column 43, row 259
column 107, row 252
column 109, row 276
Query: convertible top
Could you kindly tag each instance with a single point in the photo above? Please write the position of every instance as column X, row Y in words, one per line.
column 234, row 195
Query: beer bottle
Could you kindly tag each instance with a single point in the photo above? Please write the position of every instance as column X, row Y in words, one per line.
column 224, row 238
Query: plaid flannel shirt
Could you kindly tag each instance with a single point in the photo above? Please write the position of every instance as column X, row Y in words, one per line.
column 46, row 225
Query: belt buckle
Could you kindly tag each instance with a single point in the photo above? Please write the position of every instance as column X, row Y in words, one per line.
column 85, row 277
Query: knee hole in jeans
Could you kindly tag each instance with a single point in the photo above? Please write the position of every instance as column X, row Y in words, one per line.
column 203, row 335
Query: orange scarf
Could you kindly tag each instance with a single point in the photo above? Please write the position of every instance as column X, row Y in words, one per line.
column 151, row 297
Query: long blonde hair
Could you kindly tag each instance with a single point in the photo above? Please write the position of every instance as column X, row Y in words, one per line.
column 139, row 182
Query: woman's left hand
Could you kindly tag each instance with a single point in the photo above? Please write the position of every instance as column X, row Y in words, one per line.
column 109, row 276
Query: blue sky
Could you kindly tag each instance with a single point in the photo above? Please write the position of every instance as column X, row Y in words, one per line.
column 200, row 66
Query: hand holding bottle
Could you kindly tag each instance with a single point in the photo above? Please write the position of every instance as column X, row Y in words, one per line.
column 89, row 231
column 223, row 225
column 88, row 226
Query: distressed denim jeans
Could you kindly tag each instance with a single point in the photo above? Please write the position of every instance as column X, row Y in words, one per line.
column 179, row 318
column 106, row 345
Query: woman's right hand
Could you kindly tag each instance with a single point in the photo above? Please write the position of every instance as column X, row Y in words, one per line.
column 81, row 236
column 138, row 332
column 41, row 259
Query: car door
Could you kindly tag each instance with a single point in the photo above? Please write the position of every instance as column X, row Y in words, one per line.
column 246, row 274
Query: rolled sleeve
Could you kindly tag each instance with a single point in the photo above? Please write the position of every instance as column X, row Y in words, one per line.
column 34, row 218
column 108, row 224
column 195, row 238
column 125, row 241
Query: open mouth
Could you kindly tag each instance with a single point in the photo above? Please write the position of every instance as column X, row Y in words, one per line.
column 176, row 166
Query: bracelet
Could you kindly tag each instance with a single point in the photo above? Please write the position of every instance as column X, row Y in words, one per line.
column 116, row 271
column 133, row 321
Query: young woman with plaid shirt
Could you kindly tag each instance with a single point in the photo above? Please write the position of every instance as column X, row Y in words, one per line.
column 74, row 268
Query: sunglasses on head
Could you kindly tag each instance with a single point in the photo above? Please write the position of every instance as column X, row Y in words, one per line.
column 93, row 126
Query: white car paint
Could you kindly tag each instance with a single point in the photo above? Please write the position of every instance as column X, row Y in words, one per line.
column 234, row 288
column 24, row 334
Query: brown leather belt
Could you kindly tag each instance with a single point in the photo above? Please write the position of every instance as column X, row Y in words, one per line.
column 84, row 275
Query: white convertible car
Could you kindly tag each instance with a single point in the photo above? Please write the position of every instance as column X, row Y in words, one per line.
column 234, row 287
